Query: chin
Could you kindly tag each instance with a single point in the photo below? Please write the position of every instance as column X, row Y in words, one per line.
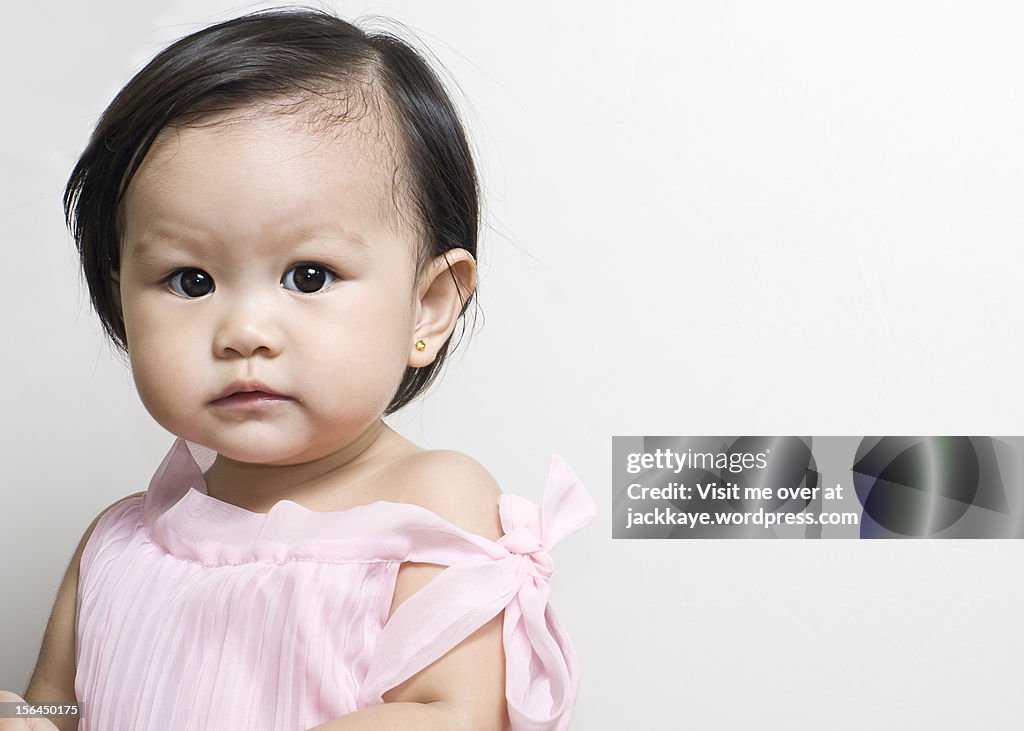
column 268, row 452
column 238, row 445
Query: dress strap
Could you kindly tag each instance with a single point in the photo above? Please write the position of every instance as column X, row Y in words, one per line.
column 542, row 673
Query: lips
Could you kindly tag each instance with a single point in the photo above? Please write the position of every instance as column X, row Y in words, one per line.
column 250, row 401
column 248, row 390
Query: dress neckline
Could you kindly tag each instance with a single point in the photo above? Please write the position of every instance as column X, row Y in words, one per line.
column 186, row 521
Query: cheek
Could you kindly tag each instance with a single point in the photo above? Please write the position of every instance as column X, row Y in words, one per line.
column 362, row 362
column 356, row 364
column 158, row 379
column 160, row 360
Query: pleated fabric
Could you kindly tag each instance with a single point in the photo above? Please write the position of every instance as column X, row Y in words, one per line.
column 196, row 614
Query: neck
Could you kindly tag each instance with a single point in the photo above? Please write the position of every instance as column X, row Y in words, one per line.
column 258, row 487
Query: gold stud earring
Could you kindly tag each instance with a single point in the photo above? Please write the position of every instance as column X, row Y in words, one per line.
column 421, row 345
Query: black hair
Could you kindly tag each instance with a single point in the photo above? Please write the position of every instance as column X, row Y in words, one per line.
column 280, row 54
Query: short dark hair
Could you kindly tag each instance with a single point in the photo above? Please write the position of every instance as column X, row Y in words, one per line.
column 283, row 53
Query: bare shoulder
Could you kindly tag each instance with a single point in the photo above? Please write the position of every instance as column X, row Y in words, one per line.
column 469, row 680
column 454, row 486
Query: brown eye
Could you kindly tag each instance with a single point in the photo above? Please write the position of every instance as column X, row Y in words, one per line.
column 308, row 278
column 191, row 283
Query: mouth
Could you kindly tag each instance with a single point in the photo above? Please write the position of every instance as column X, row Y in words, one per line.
column 249, row 392
column 250, row 400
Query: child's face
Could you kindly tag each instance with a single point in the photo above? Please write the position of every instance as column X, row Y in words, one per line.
column 239, row 206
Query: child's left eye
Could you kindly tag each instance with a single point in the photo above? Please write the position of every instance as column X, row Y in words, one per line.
column 308, row 278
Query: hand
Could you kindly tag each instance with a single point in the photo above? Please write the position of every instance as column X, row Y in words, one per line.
column 23, row 724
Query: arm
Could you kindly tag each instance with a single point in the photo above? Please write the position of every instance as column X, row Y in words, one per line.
column 53, row 680
column 465, row 689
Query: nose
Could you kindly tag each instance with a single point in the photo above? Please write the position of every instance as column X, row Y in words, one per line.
column 247, row 328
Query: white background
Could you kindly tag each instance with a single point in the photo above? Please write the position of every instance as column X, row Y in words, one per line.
column 703, row 218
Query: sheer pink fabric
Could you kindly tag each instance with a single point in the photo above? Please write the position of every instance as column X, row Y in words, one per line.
column 197, row 614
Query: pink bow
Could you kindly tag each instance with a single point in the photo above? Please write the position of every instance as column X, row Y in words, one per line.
column 542, row 672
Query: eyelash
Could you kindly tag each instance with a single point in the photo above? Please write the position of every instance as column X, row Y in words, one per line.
column 332, row 277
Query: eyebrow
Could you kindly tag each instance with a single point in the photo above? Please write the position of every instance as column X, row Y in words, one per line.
column 151, row 246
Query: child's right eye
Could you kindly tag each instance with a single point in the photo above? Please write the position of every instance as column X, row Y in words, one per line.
column 190, row 283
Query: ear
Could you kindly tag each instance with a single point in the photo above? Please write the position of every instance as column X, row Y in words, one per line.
column 446, row 282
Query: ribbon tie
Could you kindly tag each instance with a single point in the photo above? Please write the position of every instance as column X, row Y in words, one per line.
column 542, row 675
column 525, row 543
column 541, row 669
column 532, row 531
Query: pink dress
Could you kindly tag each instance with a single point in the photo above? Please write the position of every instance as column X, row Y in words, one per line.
column 197, row 614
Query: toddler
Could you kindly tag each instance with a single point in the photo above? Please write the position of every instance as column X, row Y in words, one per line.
column 277, row 220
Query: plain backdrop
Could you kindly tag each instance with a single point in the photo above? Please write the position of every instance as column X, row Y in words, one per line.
column 702, row 218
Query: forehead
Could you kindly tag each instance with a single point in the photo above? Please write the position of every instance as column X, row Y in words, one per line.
column 249, row 176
